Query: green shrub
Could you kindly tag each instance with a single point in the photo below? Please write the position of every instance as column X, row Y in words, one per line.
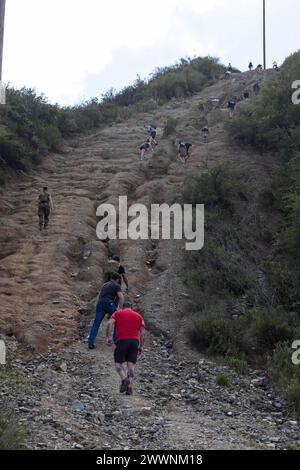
column 271, row 121
column 12, row 435
column 170, row 126
column 238, row 364
column 284, row 277
column 282, row 371
column 253, row 335
column 220, row 187
column 223, row 380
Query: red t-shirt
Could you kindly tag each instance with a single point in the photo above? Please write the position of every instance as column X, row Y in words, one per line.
column 128, row 324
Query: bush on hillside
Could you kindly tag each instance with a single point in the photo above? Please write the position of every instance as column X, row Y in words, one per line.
column 272, row 121
column 12, row 435
column 170, row 126
column 282, row 371
column 254, row 335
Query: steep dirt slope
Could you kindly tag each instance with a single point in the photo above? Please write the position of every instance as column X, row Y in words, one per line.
column 49, row 281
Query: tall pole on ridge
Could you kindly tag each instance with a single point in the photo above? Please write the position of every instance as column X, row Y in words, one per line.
column 2, row 15
column 264, row 33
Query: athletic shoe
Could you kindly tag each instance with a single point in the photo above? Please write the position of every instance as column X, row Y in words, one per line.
column 129, row 391
column 92, row 346
column 124, row 385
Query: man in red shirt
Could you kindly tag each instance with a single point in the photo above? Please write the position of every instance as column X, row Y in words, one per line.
column 130, row 337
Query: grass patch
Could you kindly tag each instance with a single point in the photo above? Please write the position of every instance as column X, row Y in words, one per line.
column 223, row 380
column 12, row 435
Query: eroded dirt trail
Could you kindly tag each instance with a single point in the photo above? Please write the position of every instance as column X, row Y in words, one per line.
column 49, row 282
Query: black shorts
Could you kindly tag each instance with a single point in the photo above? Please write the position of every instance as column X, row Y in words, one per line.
column 127, row 350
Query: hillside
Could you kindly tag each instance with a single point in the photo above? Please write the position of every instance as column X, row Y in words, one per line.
column 49, row 283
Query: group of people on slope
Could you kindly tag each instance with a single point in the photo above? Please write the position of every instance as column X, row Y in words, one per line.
column 184, row 147
column 126, row 328
column 259, row 68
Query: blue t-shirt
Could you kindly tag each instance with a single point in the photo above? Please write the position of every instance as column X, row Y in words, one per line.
column 109, row 293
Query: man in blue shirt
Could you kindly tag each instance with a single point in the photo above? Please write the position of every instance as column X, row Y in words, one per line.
column 109, row 299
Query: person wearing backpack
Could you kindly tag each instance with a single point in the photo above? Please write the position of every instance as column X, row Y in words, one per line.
column 152, row 131
column 144, row 148
column 183, row 151
column 45, row 206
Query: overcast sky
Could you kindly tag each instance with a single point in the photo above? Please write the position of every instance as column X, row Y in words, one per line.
column 72, row 50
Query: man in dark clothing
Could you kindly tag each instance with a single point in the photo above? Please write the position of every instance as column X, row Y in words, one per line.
column 121, row 270
column 184, row 151
column 231, row 106
column 45, row 206
column 205, row 132
column 130, row 334
column 110, row 297
column 144, row 148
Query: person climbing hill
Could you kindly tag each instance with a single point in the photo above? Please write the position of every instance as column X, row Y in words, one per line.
column 121, row 270
column 45, row 206
column 184, row 151
column 109, row 299
column 130, row 337
column 152, row 132
column 250, row 66
column 151, row 129
column 205, row 132
column 144, row 149
column 231, row 106
column 114, row 266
